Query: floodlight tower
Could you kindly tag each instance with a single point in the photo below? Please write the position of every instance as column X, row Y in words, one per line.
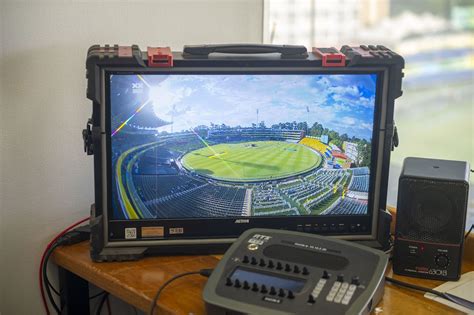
column 172, row 117
column 307, row 120
column 257, row 119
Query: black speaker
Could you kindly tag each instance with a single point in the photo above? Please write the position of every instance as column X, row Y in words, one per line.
column 431, row 218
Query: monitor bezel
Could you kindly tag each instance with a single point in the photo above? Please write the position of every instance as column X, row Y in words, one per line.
column 113, row 227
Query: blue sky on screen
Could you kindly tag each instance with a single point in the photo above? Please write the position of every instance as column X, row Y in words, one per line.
column 344, row 103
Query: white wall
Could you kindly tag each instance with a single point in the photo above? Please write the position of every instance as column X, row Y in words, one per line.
column 46, row 179
column 1, row 156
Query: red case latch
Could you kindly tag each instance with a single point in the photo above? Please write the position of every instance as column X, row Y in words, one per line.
column 330, row 57
column 160, row 57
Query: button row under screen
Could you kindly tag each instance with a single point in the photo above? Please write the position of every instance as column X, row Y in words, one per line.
column 332, row 228
column 277, row 265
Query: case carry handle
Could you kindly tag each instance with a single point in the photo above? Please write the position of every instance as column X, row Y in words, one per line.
column 204, row 50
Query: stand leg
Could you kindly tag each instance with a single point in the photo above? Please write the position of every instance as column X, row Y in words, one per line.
column 74, row 293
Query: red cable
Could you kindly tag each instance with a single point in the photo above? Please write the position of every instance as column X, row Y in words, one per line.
column 43, row 298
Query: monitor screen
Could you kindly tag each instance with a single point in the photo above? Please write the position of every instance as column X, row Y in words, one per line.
column 240, row 145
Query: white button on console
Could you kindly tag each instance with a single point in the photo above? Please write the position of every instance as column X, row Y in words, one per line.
column 347, row 298
column 352, row 288
column 330, row 297
column 338, row 299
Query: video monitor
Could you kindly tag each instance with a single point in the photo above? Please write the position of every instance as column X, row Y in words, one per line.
column 193, row 148
column 238, row 146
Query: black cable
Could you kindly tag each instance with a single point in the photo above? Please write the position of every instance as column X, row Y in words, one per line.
column 49, row 284
column 45, row 276
column 469, row 232
column 71, row 237
column 202, row 272
column 59, row 293
column 96, row 295
column 101, row 303
column 414, row 287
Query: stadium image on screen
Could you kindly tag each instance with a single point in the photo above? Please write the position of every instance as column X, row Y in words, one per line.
column 233, row 145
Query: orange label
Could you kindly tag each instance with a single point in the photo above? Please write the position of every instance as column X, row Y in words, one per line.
column 153, row 231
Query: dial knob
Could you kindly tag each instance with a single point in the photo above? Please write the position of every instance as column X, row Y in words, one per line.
column 442, row 260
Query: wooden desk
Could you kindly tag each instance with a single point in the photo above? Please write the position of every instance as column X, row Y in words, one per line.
column 137, row 282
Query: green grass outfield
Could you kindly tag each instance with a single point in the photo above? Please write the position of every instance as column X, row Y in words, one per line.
column 251, row 161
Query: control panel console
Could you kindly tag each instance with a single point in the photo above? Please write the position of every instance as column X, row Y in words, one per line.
column 283, row 272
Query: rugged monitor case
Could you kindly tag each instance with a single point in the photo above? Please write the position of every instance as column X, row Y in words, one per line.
column 243, row 58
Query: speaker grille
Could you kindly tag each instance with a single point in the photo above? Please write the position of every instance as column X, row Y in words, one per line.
column 431, row 211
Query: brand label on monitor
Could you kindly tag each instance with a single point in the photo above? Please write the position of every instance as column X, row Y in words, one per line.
column 153, row 231
column 176, row 230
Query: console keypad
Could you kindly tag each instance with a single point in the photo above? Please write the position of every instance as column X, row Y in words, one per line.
column 341, row 292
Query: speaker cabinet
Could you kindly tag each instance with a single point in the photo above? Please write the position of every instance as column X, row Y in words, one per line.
column 431, row 218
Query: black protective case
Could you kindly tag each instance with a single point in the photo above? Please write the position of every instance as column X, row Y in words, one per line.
column 262, row 56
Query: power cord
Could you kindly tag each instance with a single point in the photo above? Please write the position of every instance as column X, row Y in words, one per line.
column 469, row 232
column 66, row 237
column 103, row 300
column 202, row 272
